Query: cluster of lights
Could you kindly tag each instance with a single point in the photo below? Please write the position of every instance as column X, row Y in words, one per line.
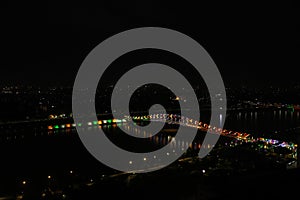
column 93, row 123
column 288, row 145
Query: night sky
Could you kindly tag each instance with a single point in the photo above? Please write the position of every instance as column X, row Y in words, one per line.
column 251, row 44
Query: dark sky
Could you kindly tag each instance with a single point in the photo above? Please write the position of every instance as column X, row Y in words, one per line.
column 251, row 44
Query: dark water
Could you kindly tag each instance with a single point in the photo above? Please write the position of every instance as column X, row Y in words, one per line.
column 262, row 121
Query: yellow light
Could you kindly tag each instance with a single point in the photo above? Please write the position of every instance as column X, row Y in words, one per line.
column 114, row 120
column 99, row 122
column 49, row 177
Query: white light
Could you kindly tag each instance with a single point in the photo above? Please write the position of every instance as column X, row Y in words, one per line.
column 130, row 162
column 203, row 171
column 168, row 154
column 154, row 156
column 145, row 159
column 49, row 177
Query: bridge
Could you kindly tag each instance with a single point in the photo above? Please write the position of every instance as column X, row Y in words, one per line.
column 188, row 122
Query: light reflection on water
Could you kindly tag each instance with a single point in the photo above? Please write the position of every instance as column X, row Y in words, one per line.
column 258, row 121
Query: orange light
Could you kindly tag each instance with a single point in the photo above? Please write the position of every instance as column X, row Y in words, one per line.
column 99, row 122
column 68, row 125
column 50, row 127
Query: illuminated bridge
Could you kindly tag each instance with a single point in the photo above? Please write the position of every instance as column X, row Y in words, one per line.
column 183, row 121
